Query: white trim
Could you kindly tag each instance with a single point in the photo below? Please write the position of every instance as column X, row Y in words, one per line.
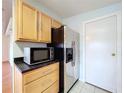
column 97, row 18
column 119, row 48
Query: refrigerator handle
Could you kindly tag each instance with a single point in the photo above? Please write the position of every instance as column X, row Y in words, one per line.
column 74, row 53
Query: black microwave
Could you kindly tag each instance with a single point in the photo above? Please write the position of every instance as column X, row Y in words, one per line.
column 38, row 55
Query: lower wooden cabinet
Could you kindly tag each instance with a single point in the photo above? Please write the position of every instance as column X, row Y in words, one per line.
column 35, row 74
column 46, row 83
column 41, row 84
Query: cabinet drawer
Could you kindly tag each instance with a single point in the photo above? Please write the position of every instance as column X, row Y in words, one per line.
column 38, row 73
column 41, row 84
column 53, row 89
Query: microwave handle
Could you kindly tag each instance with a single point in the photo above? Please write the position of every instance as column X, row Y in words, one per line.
column 51, row 53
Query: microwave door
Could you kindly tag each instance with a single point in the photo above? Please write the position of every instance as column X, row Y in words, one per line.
column 40, row 55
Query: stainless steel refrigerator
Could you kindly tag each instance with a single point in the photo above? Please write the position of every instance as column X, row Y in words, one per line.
column 66, row 44
column 71, row 59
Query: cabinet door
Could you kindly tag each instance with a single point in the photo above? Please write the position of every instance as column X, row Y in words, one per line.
column 45, row 28
column 29, row 22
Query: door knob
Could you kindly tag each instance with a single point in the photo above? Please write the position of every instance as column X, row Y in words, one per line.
column 113, row 54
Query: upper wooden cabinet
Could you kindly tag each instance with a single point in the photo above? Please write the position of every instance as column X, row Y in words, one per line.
column 44, row 28
column 56, row 24
column 30, row 24
column 25, row 21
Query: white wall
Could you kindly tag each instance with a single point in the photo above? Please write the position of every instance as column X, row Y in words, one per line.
column 19, row 46
column 5, row 47
column 76, row 23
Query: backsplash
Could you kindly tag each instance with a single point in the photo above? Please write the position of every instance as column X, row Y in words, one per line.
column 18, row 50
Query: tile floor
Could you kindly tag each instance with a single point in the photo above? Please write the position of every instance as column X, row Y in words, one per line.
column 80, row 87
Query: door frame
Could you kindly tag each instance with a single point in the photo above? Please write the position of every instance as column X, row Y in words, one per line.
column 119, row 48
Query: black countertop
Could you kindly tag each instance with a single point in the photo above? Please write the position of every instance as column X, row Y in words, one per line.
column 23, row 67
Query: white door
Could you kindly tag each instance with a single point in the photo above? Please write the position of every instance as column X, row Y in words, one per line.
column 101, row 53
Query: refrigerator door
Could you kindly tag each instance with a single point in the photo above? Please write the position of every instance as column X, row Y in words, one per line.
column 71, row 69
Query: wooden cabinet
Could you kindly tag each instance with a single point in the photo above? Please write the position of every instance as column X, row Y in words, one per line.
column 26, row 21
column 41, row 84
column 30, row 24
column 44, row 28
column 18, row 81
column 33, row 75
column 56, row 24
column 43, row 80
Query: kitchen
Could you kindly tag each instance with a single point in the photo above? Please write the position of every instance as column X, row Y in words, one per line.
column 49, row 54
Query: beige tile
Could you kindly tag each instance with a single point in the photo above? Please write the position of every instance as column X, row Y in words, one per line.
column 76, row 88
column 81, row 87
column 97, row 90
column 89, row 87
column 80, row 83
column 74, row 91
column 86, row 91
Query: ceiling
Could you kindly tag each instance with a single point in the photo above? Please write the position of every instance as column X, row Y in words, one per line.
column 68, row 8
